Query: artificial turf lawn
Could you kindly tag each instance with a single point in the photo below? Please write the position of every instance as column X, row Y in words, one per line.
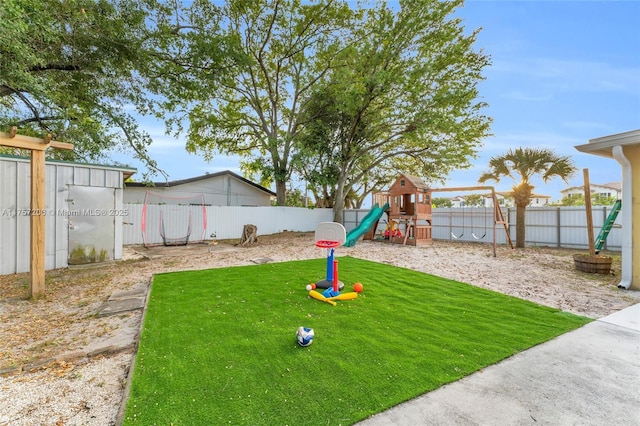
column 218, row 346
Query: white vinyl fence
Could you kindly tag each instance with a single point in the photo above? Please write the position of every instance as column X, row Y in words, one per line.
column 545, row 226
column 222, row 222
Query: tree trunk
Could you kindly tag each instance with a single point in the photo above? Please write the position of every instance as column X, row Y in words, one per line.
column 520, row 225
column 338, row 210
column 338, row 202
column 521, row 197
column 281, row 193
column 249, row 235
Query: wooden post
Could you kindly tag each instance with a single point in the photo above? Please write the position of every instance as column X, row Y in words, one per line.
column 587, row 204
column 38, row 200
column 38, row 205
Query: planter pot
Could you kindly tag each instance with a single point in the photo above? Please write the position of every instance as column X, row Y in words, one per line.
column 596, row 264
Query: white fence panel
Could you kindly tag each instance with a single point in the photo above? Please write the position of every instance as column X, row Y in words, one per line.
column 466, row 224
column 131, row 226
column 545, row 226
column 566, row 227
column 225, row 222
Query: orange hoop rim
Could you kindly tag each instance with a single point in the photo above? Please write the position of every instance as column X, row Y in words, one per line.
column 327, row 244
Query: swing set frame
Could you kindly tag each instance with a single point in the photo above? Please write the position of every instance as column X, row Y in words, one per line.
column 498, row 217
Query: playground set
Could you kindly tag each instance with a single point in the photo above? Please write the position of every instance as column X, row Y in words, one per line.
column 407, row 204
column 329, row 236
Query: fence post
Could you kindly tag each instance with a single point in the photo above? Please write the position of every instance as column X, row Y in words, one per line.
column 604, row 221
column 558, row 227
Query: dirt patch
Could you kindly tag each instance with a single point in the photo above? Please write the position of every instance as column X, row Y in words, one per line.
column 79, row 360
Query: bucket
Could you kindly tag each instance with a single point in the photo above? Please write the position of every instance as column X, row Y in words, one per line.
column 597, row 264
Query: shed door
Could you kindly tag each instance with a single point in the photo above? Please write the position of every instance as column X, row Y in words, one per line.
column 91, row 224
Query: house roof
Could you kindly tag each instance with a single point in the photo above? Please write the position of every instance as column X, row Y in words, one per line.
column 508, row 194
column 173, row 183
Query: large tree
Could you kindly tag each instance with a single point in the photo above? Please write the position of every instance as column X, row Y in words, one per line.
column 73, row 68
column 402, row 97
column 522, row 164
column 277, row 50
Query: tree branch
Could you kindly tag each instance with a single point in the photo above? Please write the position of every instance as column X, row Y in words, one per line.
column 56, row 67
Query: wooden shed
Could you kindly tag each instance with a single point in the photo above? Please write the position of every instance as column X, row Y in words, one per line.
column 410, row 210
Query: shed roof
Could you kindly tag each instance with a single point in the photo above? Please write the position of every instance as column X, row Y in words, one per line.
column 127, row 171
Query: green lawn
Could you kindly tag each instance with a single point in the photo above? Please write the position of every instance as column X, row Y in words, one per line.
column 218, row 346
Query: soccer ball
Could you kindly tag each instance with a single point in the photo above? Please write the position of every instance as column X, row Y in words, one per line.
column 304, row 336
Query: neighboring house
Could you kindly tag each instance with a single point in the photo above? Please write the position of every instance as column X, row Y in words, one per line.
column 612, row 189
column 457, row 201
column 506, row 200
column 539, row 200
column 218, row 189
column 84, row 213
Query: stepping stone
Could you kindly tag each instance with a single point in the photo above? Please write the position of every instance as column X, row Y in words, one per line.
column 112, row 307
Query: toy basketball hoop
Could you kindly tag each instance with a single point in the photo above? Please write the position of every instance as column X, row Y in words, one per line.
column 330, row 231
column 327, row 244
column 330, row 235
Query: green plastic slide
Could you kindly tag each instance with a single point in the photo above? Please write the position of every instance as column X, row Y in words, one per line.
column 369, row 220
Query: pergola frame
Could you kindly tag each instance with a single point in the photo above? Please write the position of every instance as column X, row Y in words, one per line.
column 37, row 210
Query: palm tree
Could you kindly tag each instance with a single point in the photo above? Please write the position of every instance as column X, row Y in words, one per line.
column 527, row 162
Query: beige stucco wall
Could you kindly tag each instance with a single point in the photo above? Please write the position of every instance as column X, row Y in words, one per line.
column 632, row 152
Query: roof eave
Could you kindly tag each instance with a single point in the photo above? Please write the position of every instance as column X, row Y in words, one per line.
column 603, row 146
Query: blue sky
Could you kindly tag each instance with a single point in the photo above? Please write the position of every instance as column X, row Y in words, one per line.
column 562, row 72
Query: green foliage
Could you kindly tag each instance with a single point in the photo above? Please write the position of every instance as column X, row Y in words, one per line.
column 573, row 200
column 602, row 200
column 72, row 69
column 402, row 97
column 297, row 198
column 522, row 164
column 240, row 73
column 218, row 346
column 596, row 200
column 345, row 98
column 474, row 200
column 441, row 202
column 82, row 255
